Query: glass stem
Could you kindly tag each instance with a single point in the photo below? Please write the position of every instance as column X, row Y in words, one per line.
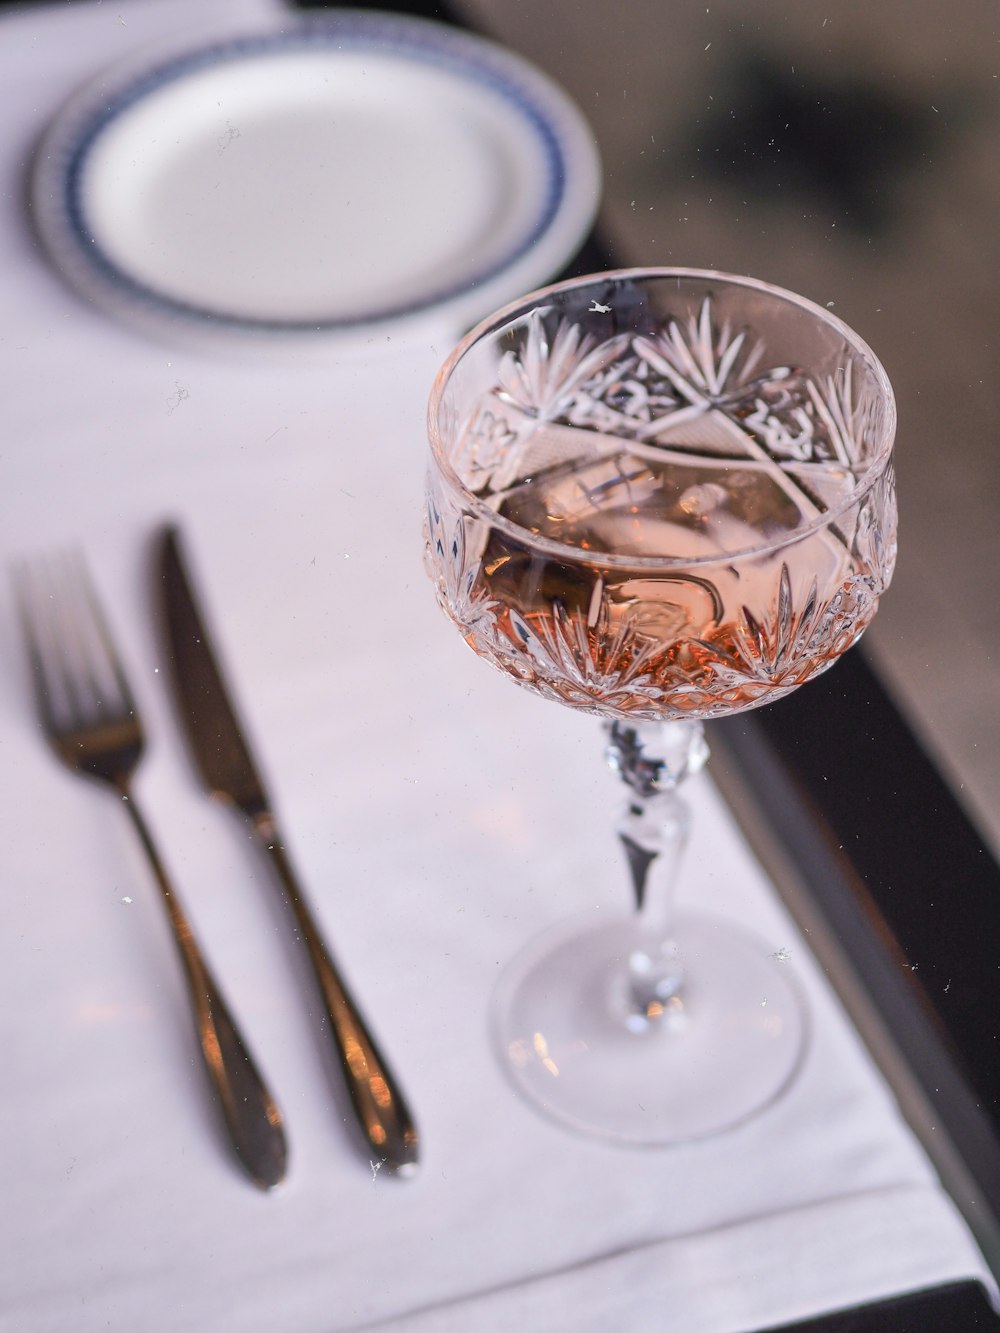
column 652, row 759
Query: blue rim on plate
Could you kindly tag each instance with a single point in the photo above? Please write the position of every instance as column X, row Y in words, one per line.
column 560, row 216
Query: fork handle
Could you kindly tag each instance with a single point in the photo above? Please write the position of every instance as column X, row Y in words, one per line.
column 378, row 1101
column 252, row 1117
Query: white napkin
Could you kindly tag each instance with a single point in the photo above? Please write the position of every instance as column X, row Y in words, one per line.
column 440, row 818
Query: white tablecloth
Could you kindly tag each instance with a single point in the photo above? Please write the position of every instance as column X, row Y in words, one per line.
column 440, row 818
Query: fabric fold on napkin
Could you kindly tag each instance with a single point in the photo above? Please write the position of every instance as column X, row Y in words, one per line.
column 731, row 1279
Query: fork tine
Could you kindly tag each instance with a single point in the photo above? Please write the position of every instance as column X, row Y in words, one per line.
column 69, row 660
column 77, row 670
column 36, row 627
column 83, row 638
column 102, row 634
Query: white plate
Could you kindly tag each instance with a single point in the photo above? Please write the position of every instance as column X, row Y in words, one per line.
column 342, row 173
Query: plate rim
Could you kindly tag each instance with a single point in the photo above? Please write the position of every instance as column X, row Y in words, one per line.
column 560, row 224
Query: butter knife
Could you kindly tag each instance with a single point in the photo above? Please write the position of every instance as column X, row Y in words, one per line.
column 222, row 755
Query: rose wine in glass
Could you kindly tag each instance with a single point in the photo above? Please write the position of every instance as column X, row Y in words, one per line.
column 659, row 496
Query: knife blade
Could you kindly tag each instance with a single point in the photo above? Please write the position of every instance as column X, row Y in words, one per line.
column 222, row 755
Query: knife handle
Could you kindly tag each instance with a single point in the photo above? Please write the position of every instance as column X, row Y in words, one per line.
column 378, row 1101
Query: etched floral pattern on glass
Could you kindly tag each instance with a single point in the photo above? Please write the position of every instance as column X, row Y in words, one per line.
column 685, row 433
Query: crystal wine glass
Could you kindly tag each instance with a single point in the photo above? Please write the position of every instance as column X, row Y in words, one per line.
column 659, row 496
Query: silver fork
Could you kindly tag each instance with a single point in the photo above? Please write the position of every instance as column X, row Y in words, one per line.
column 90, row 718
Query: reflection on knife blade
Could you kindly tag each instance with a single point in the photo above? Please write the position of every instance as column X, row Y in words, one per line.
column 223, row 758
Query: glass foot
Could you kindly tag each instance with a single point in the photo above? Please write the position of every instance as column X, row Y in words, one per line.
column 720, row 1051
